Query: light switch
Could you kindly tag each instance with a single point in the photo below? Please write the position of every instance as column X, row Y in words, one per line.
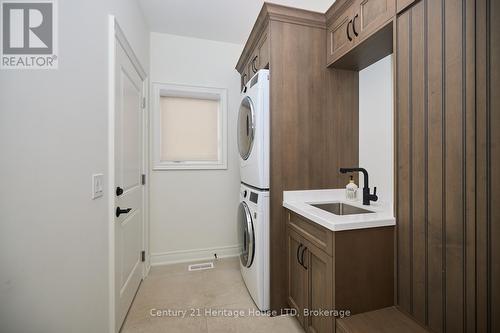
column 97, row 185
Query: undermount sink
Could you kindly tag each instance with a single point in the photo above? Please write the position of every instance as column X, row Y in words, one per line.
column 340, row 208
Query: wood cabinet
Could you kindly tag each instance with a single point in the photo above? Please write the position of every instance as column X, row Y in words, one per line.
column 319, row 267
column 371, row 15
column 257, row 57
column 340, row 37
column 337, row 271
column 310, row 282
column 351, row 22
column 307, row 111
column 297, row 293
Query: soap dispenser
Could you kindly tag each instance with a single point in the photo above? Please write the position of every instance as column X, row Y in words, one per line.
column 351, row 190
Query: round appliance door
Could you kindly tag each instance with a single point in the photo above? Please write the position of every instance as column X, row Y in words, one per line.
column 246, row 235
column 246, row 127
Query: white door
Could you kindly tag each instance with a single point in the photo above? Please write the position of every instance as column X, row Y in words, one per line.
column 129, row 189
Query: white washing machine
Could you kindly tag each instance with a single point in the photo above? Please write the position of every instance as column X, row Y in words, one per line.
column 253, row 131
column 253, row 231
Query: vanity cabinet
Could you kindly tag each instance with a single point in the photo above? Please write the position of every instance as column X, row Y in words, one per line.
column 351, row 22
column 351, row 270
column 310, row 283
column 297, row 293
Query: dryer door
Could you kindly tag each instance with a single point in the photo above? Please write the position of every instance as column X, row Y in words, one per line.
column 246, row 235
column 246, row 127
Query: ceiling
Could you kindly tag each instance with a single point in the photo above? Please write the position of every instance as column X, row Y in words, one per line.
column 222, row 20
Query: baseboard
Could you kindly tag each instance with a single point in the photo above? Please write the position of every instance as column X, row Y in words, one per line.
column 174, row 257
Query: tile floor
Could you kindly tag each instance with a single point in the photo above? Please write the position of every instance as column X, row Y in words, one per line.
column 173, row 288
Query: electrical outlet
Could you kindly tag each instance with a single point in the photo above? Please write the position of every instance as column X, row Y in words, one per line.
column 97, row 185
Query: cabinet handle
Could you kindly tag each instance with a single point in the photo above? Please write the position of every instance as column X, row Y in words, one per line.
column 244, row 87
column 348, row 34
column 254, row 68
column 354, row 25
column 302, row 257
column 298, row 251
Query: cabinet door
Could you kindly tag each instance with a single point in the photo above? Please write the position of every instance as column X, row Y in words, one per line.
column 251, row 66
column 297, row 277
column 244, row 77
column 370, row 15
column 320, row 289
column 263, row 54
column 340, row 38
column 242, row 80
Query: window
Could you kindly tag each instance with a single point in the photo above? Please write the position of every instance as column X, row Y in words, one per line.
column 189, row 127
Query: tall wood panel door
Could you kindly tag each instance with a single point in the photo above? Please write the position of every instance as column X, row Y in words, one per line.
column 447, row 119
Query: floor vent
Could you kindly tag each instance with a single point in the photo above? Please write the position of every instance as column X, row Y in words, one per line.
column 200, row 267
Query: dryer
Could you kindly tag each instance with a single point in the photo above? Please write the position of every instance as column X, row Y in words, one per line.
column 253, row 231
column 253, row 131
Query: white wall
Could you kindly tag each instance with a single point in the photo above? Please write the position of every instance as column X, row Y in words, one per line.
column 192, row 211
column 53, row 136
column 376, row 127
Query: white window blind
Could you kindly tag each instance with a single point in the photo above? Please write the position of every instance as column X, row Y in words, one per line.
column 190, row 128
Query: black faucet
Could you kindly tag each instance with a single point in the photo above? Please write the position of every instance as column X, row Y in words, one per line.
column 367, row 197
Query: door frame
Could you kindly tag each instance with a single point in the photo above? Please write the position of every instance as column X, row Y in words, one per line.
column 115, row 34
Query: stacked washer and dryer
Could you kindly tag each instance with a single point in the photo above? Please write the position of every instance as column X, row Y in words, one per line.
column 253, row 211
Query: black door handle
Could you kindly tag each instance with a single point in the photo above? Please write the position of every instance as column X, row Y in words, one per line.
column 120, row 211
column 302, row 257
column 298, row 251
column 119, row 191
column 348, row 34
column 354, row 25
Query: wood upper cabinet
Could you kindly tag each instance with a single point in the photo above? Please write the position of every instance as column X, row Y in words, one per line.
column 262, row 53
column 371, row 15
column 257, row 59
column 339, row 36
column 351, row 22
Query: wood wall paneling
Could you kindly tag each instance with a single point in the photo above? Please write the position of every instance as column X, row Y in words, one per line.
column 494, row 158
column 418, row 170
column 402, row 143
column 447, row 148
column 481, row 169
column 469, row 78
column 435, row 179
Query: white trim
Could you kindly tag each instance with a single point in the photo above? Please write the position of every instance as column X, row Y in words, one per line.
column 120, row 36
column 176, row 90
column 111, row 171
column 116, row 34
column 181, row 256
column 145, row 170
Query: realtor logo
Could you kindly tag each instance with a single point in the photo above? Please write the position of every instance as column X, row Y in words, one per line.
column 29, row 35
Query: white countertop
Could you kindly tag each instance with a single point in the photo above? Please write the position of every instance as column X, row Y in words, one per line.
column 300, row 203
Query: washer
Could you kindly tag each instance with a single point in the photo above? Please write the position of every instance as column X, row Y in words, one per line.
column 253, row 231
column 253, row 131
